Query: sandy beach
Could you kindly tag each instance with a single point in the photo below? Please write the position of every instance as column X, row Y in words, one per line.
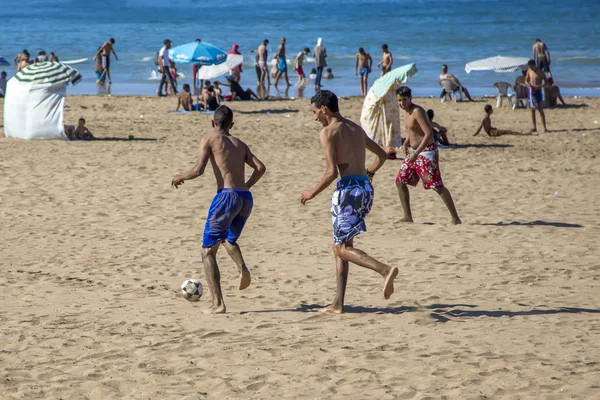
column 95, row 243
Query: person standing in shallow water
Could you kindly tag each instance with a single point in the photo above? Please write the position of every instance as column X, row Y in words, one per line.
column 232, row 204
column 345, row 143
column 320, row 54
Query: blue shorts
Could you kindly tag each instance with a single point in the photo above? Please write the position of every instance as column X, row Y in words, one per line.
column 363, row 72
column 282, row 64
column 535, row 97
column 99, row 74
column 227, row 216
column 351, row 203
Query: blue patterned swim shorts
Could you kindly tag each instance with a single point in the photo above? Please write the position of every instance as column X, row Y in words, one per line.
column 350, row 204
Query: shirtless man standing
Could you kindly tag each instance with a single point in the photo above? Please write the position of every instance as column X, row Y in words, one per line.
column 104, row 52
column 422, row 161
column 364, row 62
column 535, row 80
column 387, row 61
column 262, row 63
column 541, row 55
column 344, row 143
column 282, row 64
column 232, row 204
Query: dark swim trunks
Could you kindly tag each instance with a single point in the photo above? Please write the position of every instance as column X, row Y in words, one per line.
column 227, row 216
column 535, row 97
column 351, row 203
column 363, row 72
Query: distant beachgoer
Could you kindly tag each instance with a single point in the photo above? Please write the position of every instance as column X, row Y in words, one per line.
column 195, row 70
column 238, row 91
column 218, row 91
column 53, row 57
column 535, row 80
column 313, row 74
column 19, row 57
column 446, row 75
column 440, row 133
column 486, row 125
column 172, row 87
column 2, row 84
column 274, row 66
column 263, row 53
column 421, row 160
column 104, row 52
column 328, row 74
column 212, row 101
column 320, row 55
column 553, row 94
column 184, row 99
column 232, row 204
column 282, row 64
column 81, row 132
column 98, row 69
column 541, row 56
column 298, row 62
column 344, row 143
column 236, row 71
column 387, row 61
column 41, row 57
column 257, row 69
column 23, row 61
column 364, row 63
column 164, row 66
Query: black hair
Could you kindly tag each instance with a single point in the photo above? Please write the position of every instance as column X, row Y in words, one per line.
column 82, row 119
column 430, row 114
column 551, row 81
column 3, row 72
column 444, row 67
column 538, row 40
column 329, row 70
column 186, row 87
column 384, row 46
column 198, row 40
column 404, row 91
column 326, row 98
column 265, row 41
column 313, row 71
column 112, row 40
column 211, row 88
column 361, row 50
column 206, row 82
column 487, row 108
column 306, row 49
column 223, row 117
column 531, row 63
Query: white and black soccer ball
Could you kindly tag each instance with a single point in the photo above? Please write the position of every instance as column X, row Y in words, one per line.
column 192, row 289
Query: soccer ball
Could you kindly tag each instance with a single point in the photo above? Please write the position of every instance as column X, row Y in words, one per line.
column 191, row 289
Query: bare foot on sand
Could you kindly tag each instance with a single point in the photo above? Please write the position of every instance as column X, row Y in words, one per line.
column 406, row 219
column 215, row 310
column 244, row 279
column 332, row 309
column 457, row 221
column 388, row 284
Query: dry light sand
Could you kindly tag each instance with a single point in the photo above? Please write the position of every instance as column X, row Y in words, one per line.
column 95, row 243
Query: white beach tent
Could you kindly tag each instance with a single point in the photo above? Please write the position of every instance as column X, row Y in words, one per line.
column 35, row 101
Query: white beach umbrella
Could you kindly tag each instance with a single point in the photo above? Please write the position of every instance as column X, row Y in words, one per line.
column 497, row 64
column 214, row 71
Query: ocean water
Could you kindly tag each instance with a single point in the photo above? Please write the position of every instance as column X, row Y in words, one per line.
column 428, row 33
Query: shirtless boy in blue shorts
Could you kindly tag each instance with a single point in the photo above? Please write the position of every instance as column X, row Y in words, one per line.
column 344, row 143
column 232, row 204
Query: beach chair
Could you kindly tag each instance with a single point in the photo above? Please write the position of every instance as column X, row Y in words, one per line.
column 451, row 88
column 520, row 95
column 503, row 92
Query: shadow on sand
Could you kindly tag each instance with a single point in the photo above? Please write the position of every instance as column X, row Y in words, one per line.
column 534, row 223
column 116, row 139
column 276, row 111
column 477, row 146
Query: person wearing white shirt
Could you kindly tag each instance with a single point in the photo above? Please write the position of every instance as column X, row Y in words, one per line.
column 164, row 66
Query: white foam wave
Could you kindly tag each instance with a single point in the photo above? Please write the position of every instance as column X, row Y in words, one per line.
column 146, row 59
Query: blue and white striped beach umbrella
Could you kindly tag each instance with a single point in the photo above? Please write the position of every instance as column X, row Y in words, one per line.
column 47, row 74
column 200, row 53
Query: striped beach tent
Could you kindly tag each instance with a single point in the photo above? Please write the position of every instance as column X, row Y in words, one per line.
column 35, row 100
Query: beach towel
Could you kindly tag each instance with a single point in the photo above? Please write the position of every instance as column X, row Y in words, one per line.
column 380, row 118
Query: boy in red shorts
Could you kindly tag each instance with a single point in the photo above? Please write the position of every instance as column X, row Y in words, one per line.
column 422, row 160
column 298, row 62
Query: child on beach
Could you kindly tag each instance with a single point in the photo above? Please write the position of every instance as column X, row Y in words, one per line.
column 486, row 124
column 313, row 74
column 81, row 132
column 298, row 62
column 232, row 204
column 439, row 132
column 184, row 99
column 328, row 74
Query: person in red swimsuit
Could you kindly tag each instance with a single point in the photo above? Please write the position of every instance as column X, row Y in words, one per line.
column 422, row 160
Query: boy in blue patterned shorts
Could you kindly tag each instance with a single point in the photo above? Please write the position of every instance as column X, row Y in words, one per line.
column 232, row 204
column 344, row 143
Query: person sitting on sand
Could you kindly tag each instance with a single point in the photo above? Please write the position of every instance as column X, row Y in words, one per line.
column 486, row 124
column 81, row 132
column 328, row 74
column 184, row 99
column 313, row 74
column 237, row 91
column 218, row 91
column 553, row 93
column 212, row 101
column 439, row 132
